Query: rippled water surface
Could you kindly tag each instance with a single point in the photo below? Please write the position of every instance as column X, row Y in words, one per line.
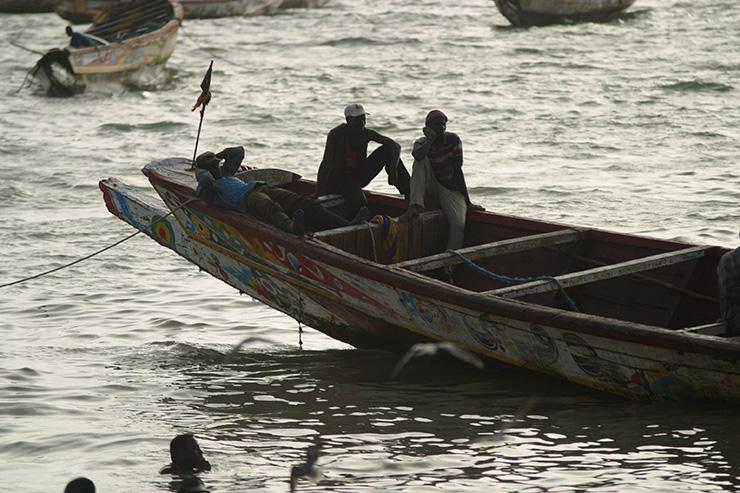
column 630, row 125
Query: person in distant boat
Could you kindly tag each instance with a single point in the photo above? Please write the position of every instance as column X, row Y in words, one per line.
column 79, row 40
column 346, row 168
column 728, row 273
column 282, row 208
column 186, row 455
column 437, row 178
column 80, row 485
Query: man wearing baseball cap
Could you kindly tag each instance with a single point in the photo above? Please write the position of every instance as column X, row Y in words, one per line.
column 346, row 168
column 437, row 179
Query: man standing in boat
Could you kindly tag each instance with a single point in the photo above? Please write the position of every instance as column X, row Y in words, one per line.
column 217, row 185
column 346, row 168
column 437, row 178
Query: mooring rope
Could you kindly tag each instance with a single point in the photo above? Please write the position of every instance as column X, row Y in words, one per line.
column 69, row 264
column 86, row 257
column 300, row 316
column 25, row 79
column 514, row 280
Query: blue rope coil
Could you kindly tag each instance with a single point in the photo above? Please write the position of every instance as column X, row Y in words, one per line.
column 514, row 280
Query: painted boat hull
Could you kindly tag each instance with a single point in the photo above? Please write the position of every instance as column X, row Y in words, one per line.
column 370, row 305
column 204, row 9
column 27, row 6
column 545, row 12
column 106, row 63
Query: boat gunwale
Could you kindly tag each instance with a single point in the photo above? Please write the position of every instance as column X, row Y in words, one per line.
column 399, row 278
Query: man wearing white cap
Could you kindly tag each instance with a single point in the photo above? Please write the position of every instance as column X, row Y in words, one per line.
column 346, row 168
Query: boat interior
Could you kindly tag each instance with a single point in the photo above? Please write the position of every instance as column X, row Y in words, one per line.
column 636, row 279
column 131, row 18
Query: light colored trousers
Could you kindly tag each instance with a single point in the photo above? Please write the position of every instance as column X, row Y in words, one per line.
column 427, row 192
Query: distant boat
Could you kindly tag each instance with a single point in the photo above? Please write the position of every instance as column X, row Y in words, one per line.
column 27, row 6
column 303, row 4
column 626, row 314
column 131, row 35
column 203, row 9
column 544, row 12
column 82, row 11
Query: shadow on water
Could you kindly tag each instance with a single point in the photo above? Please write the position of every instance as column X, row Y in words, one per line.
column 441, row 421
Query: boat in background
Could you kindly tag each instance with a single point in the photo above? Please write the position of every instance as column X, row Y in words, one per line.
column 131, row 35
column 525, row 13
column 303, row 4
column 82, row 11
column 205, row 9
column 27, row 6
column 626, row 314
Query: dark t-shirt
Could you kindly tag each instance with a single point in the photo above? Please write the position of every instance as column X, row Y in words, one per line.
column 79, row 40
column 344, row 154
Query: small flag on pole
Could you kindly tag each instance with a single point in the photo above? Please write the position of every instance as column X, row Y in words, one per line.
column 202, row 102
column 205, row 86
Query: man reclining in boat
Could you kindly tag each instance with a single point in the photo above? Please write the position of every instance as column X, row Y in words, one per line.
column 282, row 208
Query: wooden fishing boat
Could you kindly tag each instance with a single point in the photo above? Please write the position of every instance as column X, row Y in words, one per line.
column 132, row 34
column 303, row 4
column 82, row 11
column 630, row 315
column 203, row 9
column 27, row 6
column 544, row 12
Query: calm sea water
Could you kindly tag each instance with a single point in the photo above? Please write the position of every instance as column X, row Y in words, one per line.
column 630, row 125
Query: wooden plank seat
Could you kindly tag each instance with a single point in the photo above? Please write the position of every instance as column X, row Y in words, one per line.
column 327, row 233
column 486, row 250
column 713, row 329
column 330, row 200
column 358, row 240
column 357, row 227
column 601, row 273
